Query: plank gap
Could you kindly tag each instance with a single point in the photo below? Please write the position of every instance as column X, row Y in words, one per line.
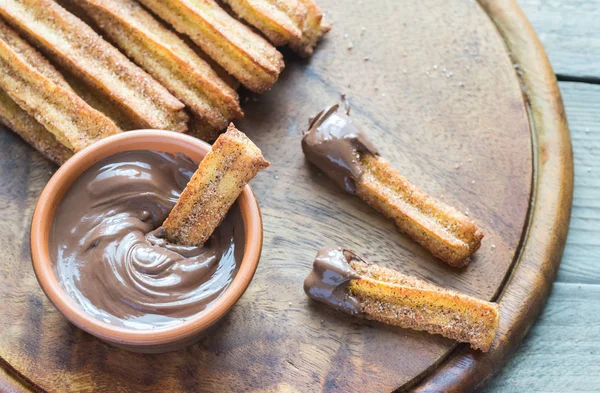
column 579, row 79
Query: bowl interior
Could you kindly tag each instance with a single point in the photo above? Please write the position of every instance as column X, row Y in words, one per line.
column 163, row 141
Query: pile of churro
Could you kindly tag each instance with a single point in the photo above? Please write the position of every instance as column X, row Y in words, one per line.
column 75, row 71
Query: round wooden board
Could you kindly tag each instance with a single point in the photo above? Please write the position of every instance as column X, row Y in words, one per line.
column 433, row 85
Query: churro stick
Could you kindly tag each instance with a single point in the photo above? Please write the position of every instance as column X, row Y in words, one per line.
column 76, row 46
column 31, row 56
column 39, row 90
column 220, row 71
column 271, row 19
column 166, row 57
column 298, row 23
column 90, row 94
column 336, row 146
column 443, row 230
column 32, row 132
column 221, row 176
column 240, row 51
column 346, row 282
column 313, row 28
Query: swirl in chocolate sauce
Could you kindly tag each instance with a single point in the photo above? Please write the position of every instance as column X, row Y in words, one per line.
column 334, row 145
column 109, row 252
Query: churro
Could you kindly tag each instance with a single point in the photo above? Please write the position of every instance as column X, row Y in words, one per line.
column 32, row 132
column 167, row 58
column 298, row 23
column 344, row 153
column 239, row 50
column 271, row 19
column 96, row 100
column 313, row 28
column 221, row 176
column 344, row 281
column 77, row 47
column 199, row 128
column 38, row 88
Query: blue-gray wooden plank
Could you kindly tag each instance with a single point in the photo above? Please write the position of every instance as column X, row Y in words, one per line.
column 570, row 32
column 562, row 350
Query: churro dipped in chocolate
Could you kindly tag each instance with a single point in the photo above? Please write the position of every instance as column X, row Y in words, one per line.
column 221, row 176
column 346, row 282
column 243, row 53
column 77, row 47
column 298, row 23
column 344, row 153
column 35, row 85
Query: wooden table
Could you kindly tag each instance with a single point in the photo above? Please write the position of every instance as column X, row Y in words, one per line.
column 562, row 351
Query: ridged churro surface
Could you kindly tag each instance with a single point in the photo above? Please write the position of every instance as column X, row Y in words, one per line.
column 269, row 18
column 40, row 90
column 166, row 57
column 313, row 28
column 441, row 229
column 76, row 46
column 239, row 50
column 394, row 298
column 32, row 132
column 298, row 23
column 221, row 176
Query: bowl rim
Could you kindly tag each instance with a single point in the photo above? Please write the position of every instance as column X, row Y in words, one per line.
column 53, row 194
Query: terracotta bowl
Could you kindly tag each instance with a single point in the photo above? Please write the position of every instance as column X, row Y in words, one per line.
column 155, row 340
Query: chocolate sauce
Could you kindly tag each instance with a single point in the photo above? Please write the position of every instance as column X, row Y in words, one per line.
column 110, row 254
column 329, row 280
column 334, row 144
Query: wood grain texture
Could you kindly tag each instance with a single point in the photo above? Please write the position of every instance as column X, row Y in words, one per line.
column 530, row 282
column 569, row 361
column 560, row 353
column 570, row 34
column 432, row 99
column 582, row 254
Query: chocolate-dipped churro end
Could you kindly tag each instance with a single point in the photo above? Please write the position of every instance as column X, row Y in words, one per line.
column 329, row 280
column 334, row 144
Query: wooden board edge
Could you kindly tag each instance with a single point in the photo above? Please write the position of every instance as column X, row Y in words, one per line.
column 12, row 382
column 530, row 282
